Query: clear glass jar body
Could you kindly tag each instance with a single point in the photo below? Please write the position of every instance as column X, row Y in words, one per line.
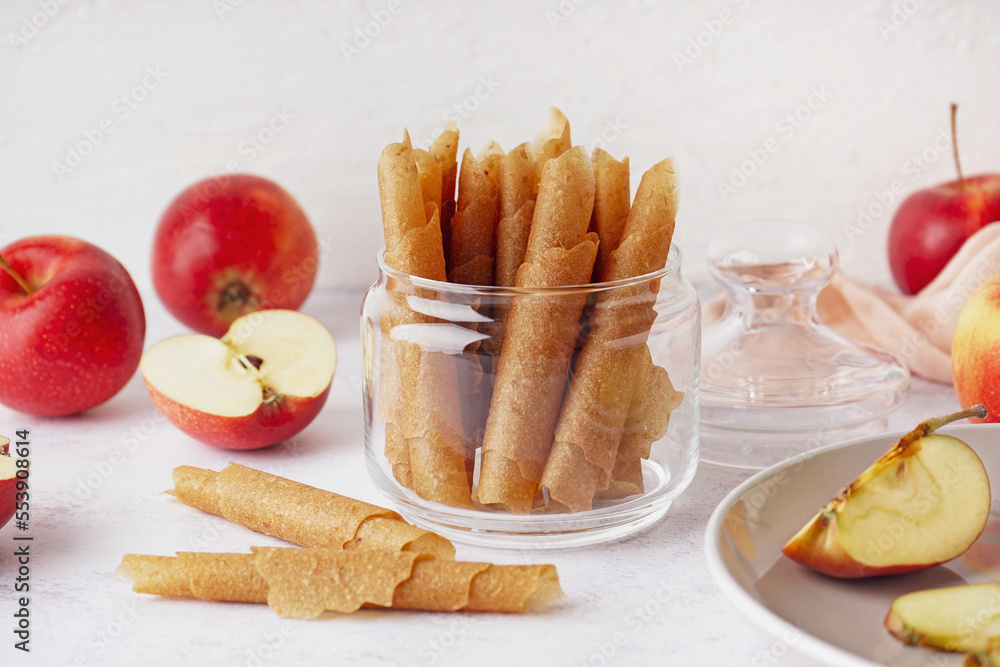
column 531, row 417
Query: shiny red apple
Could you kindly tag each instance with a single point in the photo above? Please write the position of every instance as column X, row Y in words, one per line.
column 975, row 350
column 261, row 383
column 71, row 326
column 231, row 245
column 931, row 225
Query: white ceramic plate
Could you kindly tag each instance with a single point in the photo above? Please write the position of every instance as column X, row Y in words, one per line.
column 836, row 621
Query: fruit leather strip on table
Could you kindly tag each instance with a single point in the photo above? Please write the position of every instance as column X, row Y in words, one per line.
column 303, row 583
column 301, row 514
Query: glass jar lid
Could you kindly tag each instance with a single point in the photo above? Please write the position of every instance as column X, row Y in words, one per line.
column 776, row 381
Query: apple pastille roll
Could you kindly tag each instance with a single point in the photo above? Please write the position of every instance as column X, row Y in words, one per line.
column 597, row 400
column 516, row 207
column 390, row 385
column 304, row 583
column 611, row 206
column 517, row 204
column 438, row 458
column 445, row 149
column 653, row 400
column 552, row 141
column 301, row 514
column 473, row 226
column 541, row 335
column 472, row 257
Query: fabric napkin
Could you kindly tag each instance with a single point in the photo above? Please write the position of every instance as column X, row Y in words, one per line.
column 917, row 329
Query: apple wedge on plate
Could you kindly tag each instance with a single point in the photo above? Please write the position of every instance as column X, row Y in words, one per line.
column 262, row 382
column 922, row 503
column 964, row 619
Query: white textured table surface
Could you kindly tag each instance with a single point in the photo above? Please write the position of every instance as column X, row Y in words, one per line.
column 97, row 483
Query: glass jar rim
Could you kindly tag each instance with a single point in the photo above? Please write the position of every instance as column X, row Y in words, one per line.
column 672, row 267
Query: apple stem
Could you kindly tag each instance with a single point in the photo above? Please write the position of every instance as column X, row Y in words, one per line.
column 954, row 143
column 931, row 425
column 15, row 275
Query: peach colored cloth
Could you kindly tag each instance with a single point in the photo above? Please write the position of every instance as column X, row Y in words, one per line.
column 917, row 329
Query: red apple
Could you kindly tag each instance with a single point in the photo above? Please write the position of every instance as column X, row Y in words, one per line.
column 932, row 224
column 8, row 482
column 261, row 383
column 71, row 326
column 231, row 245
column 975, row 350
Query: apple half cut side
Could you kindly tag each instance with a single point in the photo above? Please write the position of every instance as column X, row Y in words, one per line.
column 922, row 503
column 964, row 619
column 8, row 482
column 261, row 383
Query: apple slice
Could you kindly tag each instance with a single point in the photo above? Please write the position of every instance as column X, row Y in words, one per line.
column 922, row 503
column 958, row 618
column 8, row 482
column 263, row 382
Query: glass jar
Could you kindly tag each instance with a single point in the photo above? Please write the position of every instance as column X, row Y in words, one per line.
column 531, row 417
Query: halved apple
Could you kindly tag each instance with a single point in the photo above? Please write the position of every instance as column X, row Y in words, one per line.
column 8, row 482
column 922, row 503
column 261, row 383
column 964, row 619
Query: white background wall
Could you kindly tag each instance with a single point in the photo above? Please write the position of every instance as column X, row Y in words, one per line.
column 888, row 71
